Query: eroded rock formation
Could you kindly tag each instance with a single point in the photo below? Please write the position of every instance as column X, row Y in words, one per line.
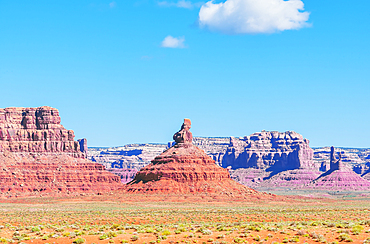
column 355, row 158
column 37, row 154
column 290, row 179
column 53, row 174
column 335, row 164
column 37, row 130
column 271, row 150
column 269, row 167
column 339, row 177
column 271, row 159
column 184, row 168
column 126, row 175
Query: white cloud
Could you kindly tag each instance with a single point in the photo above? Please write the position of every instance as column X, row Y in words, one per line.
column 112, row 4
column 173, row 42
column 253, row 16
column 180, row 4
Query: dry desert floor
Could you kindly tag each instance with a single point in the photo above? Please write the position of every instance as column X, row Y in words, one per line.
column 145, row 219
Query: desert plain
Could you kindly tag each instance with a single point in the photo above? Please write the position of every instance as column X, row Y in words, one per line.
column 165, row 218
column 94, row 93
column 51, row 193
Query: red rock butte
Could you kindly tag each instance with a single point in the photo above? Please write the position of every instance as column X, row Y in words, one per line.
column 37, row 154
column 37, row 130
column 339, row 178
column 186, row 169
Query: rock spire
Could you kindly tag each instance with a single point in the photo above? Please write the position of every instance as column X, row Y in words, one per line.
column 339, row 178
column 184, row 168
column 184, row 135
column 334, row 163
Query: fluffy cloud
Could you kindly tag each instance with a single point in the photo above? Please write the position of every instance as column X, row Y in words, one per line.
column 180, row 4
column 173, row 42
column 253, row 16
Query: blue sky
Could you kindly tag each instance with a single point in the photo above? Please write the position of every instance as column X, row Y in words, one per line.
column 115, row 78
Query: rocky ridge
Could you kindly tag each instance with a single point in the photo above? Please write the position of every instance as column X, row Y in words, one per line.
column 339, row 177
column 53, row 174
column 126, row 161
column 271, row 150
column 253, row 160
column 184, row 168
column 37, row 130
column 356, row 158
column 37, row 154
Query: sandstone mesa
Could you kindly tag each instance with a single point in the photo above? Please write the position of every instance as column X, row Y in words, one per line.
column 184, row 168
column 37, row 154
column 267, row 160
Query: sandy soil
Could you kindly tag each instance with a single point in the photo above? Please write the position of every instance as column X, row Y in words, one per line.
column 141, row 218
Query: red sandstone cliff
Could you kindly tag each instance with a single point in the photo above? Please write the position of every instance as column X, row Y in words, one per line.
column 37, row 130
column 184, row 169
column 37, row 154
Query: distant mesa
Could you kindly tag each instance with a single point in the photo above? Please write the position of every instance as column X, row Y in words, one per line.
column 339, row 177
column 37, row 155
column 271, row 159
column 265, row 161
column 271, row 150
column 184, row 168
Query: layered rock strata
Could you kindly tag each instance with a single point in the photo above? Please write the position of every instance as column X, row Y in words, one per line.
column 355, row 158
column 339, row 177
column 37, row 154
column 270, row 150
column 215, row 147
column 37, row 130
column 184, row 168
column 271, row 159
column 290, row 179
column 136, row 156
column 126, row 175
column 250, row 177
column 275, row 161
column 53, row 174
column 131, row 156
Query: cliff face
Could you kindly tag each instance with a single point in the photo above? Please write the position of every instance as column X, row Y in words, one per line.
column 25, row 174
column 215, row 147
column 270, row 150
column 37, row 130
column 126, row 160
column 37, row 154
column 131, row 156
column 339, row 177
column 263, row 160
column 184, row 168
column 256, row 157
column 355, row 158
column 136, row 156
